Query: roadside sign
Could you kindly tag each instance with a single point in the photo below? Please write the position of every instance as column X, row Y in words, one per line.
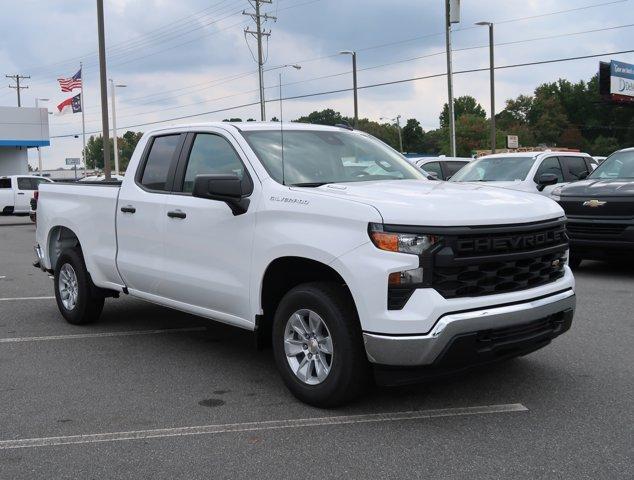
column 616, row 81
column 73, row 161
column 512, row 141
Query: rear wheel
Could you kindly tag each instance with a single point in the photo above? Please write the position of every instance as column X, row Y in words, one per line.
column 318, row 346
column 74, row 290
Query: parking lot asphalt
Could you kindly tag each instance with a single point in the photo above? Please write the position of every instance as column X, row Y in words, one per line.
column 148, row 392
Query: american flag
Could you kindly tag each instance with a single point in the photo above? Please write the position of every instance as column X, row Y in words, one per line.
column 70, row 84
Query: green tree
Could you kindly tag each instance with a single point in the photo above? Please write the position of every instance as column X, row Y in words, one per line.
column 413, row 136
column 604, row 145
column 323, row 117
column 465, row 105
column 126, row 144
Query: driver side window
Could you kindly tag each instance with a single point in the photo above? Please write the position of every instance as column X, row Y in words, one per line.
column 550, row 165
column 210, row 155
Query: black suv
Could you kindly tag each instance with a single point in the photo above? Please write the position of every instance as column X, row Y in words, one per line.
column 600, row 210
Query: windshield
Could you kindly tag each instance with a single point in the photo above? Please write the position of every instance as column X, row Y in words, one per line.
column 495, row 169
column 618, row 165
column 313, row 157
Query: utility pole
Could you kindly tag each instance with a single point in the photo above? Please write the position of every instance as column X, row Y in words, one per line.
column 104, row 91
column 492, row 76
column 259, row 33
column 17, row 85
column 39, row 152
column 354, row 84
column 452, row 15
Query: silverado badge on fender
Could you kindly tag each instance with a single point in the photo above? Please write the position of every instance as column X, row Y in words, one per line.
column 594, row 203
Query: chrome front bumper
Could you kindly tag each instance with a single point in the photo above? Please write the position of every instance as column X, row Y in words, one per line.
column 420, row 350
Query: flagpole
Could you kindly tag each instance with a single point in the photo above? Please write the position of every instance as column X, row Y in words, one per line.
column 83, row 118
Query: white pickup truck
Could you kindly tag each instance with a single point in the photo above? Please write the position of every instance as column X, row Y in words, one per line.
column 324, row 242
column 16, row 192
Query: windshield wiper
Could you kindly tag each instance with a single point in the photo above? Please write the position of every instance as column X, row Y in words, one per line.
column 309, row 184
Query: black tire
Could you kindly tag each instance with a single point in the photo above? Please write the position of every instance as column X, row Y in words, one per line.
column 88, row 306
column 574, row 261
column 349, row 371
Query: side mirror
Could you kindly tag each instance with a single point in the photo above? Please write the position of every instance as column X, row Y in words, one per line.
column 224, row 188
column 583, row 175
column 546, row 179
column 431, row 175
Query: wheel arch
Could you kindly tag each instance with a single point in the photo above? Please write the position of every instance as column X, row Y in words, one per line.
column 284, row 273
column 59, row 238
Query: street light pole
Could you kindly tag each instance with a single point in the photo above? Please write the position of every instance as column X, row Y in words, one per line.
column 104, row 90
column 354, row 84
column 492, row 76
column 113, row 88
column 39, row 152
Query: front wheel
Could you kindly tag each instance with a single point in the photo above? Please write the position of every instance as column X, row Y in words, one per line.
column 318, row 346
column 74, row 289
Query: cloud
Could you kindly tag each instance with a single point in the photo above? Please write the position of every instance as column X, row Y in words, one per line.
column 158, row 46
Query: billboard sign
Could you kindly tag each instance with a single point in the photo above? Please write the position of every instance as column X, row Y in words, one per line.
column 616, row 81
column 622, row 79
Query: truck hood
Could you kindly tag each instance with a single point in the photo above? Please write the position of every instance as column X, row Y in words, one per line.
column 599, row 188
column 416, row 202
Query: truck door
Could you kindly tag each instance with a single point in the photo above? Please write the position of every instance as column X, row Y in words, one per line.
column 141, row 215
column 23, row 194
column 208, row 249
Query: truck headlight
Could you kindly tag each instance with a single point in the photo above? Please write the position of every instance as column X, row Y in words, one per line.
column 412, row 243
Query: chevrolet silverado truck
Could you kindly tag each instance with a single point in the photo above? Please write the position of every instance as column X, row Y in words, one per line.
column 600, row 211
column 323, row 241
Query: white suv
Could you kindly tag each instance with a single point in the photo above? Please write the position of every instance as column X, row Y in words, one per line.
column 535, row 172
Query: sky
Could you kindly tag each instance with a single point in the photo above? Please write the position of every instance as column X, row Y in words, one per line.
column 192, row 56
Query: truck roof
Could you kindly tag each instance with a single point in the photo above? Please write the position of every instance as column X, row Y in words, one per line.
column 248, row 126
column 534, row 154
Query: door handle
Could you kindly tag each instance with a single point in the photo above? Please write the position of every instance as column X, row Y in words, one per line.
column 20, row 193
column 176, row 214
column 128, row 209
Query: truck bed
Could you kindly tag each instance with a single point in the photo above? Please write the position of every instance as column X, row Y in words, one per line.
column 89, row 210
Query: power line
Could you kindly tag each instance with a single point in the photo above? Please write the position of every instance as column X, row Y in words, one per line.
column 373, row 67
column 375, row 85
column 235, row 77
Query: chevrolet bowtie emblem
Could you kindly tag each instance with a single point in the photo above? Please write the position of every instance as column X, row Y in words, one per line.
column 594, row 203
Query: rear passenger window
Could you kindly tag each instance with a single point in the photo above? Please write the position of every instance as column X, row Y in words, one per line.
column 433, row 167
column 159, row 161
column 576, row 167
column 5, row 183
column 25, row 183
column 211, row 155
column 451, row 168
column 550, row 165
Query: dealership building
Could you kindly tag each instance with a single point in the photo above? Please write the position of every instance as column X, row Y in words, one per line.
column 21, row 128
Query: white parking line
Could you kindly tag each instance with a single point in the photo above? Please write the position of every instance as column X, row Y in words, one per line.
column 256, row 426
column 101, row 334
column 8, row 299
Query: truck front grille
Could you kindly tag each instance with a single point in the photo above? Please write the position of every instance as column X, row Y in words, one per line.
column 491, row 260
column 498, row 277
column 596, row 230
